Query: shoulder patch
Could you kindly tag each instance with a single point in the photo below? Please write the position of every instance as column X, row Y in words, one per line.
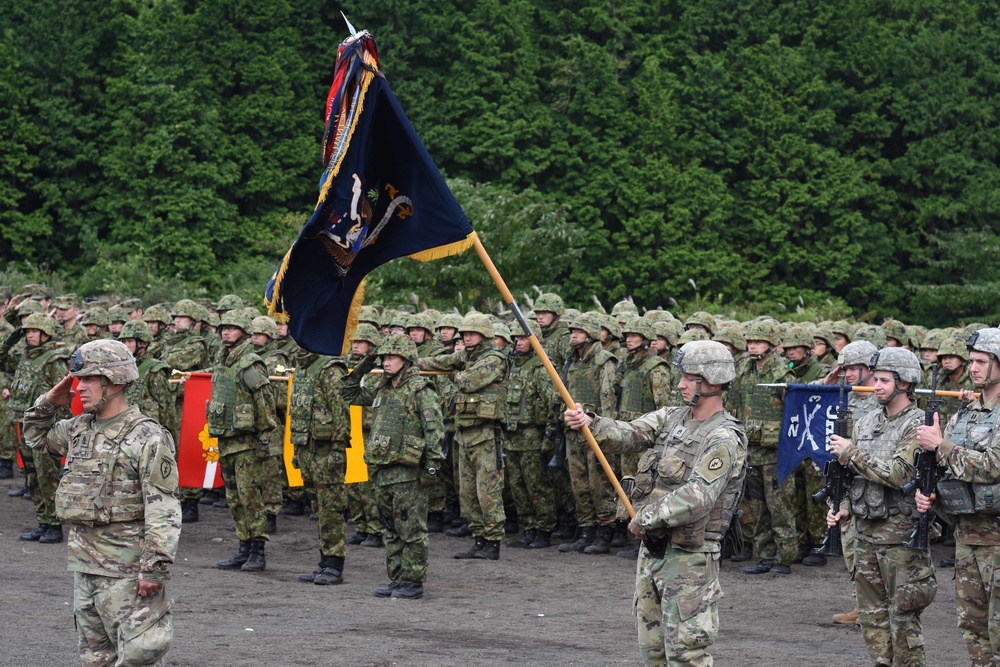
column 715, row 464
column 253, row 378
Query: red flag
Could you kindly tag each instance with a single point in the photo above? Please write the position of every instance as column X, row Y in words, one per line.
column 197, row 451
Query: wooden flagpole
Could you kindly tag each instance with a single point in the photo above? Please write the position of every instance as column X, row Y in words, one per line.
column 556, row 380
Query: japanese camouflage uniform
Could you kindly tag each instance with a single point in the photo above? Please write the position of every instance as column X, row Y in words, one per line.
column 689, row 481
column 274, row 358
column 151, row 392
column 185, row 351
column 970, row 454
column 241, row 415
column 894, row 583
column 116, row 495
column 406, row 432
column 321, row 434
column 644, row 383
column 361, row 496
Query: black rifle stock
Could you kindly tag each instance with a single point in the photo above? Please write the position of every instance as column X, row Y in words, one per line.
column 836, row 477
column 928, row 471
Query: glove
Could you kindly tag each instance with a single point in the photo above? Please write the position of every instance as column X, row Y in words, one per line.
column 368, row 363
column 12, row 338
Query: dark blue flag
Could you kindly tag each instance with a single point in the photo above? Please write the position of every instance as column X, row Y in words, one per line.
column 810, row 412
column 381, row 197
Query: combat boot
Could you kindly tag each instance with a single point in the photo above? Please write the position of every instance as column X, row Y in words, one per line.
column 20, row 491
column 567, row 531
column 235, row 561
column 52, row 535
column 292, row 508
column 373, row 540
column 490, row 550
column 471, row 551
column 311, row 577
column 543, row 540
column 357, row 538
column 602, row 544
column 631, row 553
column 510, row 525
column 221, row 503
column 6, row 468
column 585, row 537
column 434, row 522
column 850, row 618
column 526, row 539
column 272, row 523
column 387, row 590
column 332, row 571
column 408, row 591
column 209, row 497
column 256, row 562
column 620, row 537
column 34, row 535
column 189, row 510
column 461, row 530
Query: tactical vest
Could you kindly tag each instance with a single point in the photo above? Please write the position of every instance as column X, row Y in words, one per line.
column 636, row 394
column 397, row 435
column 26, row 385
column 366, row 411
column 230, row 412
column 871, row 500
column 135, row 391
column 668, row 466
column 96, row 487
column 764, row 410
column 524, row 406
column 582, row 377
column 974, row 429
column 303, row 392
column 488, row 404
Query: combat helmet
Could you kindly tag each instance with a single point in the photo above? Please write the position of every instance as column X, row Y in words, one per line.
column 136, row 329
column 858, row 353
column 588, row 324
column 641, row 326
column 189, row 308
column 500, row 329
column 107, row 357
column 228, row 302
column 549, row 303
column 369, row 315
column 902, row 363
column 399, row 345
column 693, row 335
column 825, row 334
column 954, row 347
column 95, row 315
column 517, row 330
column 157, row 313
column 611, row 324
column 41, row 322
column 368, row 333
column 701, row 318
column 623, row 311
column 264, row 326
column 117, row 314
column 450, row 321
column 844, row 328
column 669, row 330
column 798, row 336
column 238, row 318
column 871, row 333
column 29, row 307
column 421, row 321
column 933, row 339
column 477, row 323
column 767, row 330
column 987, row 341
column 733, row 336
column 707, row 359
column 896, row 330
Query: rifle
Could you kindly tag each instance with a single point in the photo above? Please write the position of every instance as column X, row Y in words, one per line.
column 656, row 546
column 836, row 477
column 926, row 478
column 558, row 460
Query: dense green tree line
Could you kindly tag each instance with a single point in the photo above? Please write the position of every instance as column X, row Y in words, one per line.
column 716, row 152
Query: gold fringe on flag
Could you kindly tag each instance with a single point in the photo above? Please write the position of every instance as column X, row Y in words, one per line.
column 445, row 250
column 281, row 317
column 352, row 318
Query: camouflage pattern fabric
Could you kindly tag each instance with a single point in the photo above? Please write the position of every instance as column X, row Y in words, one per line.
column 73, row 337
column 151, row 393
column 325, row 465
column 184, row 351
column 245, row 477
column 404, row 507
column 640, row 374
column 362, row 502
column 277, row 480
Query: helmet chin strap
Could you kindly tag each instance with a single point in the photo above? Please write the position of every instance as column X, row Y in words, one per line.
column 105, row 397
column 989, row 373
column 698, row 394
column 896, row 391
column 392, row 376
column 758, row 357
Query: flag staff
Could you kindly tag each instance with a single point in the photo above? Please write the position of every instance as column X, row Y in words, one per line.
column 869, row 390
column 556, row 380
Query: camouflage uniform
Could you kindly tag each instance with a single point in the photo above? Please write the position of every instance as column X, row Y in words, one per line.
column 241, row 415
column 362, row 500
column 407, row 429
column 689, row 510
column 811, row 517
column 860, row 404
column 590, row 380
column 275, row 464
column 480, row 404
column 644, row 385
column 529, row 394
column 321, row 433
column 133, row 533
column 38, row 369
column 151, row 392
column 186, row 351
column 970, row 453
column 770, row 507
column 894, row 583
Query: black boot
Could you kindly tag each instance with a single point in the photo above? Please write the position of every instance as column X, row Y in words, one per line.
column 471, row 551
column 490, row 550
column 18, row 492
column 292, row 508
column 620, row 537
column 373, row 540
column 461, row 530
column 221, row 503
column 209, row 497
column 510, row 525
column 631, row 553
column 311, row 577
column 435, row 524
column 235, row 561
column 6, row 468
column 256, row 562
column 408, row 591
column 356, row 538
column 387, row 590
column 53, row 535
column 34, row 535
column 585, row 537
column 526, row 539
column 189, row 510
column 566, row 531
column 543, row 539
column 602, row 544
column 272, row 523
column 332, row 572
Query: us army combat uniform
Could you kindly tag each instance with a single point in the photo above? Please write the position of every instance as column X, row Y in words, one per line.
column 689, row 480
column 241, row 415
column 321, row 433
column 116, row 495
column 407, row 429
column 970, row 454
column 894, row 583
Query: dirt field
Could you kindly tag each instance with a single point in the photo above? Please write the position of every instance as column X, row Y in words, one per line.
column 530, row 608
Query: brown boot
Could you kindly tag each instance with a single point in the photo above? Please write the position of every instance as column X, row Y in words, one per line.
column 850, row 618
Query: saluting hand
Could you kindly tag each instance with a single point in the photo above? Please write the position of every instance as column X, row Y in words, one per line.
column 62, row 393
